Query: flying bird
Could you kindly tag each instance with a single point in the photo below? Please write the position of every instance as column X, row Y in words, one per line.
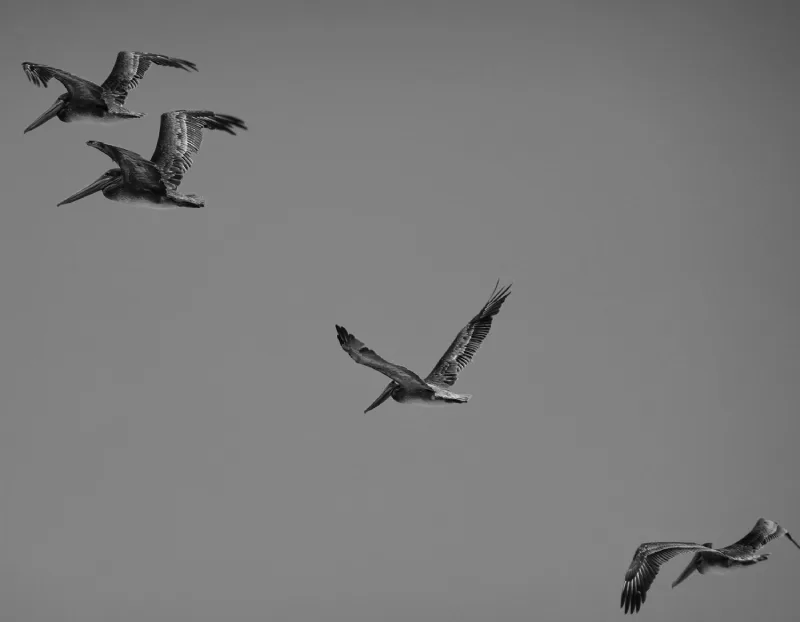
column 406, row 387
column 650, row 556
column 155, row 182
column 86, row 100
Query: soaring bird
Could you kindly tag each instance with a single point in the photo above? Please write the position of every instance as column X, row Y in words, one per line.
column 85, row 100
column 406, row 387
column 155, row 182
column 650, row 556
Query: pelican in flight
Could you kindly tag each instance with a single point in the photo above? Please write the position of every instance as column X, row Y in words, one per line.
column 155, row 181
column 650, row 556
column 85, row 100
column 406, row 387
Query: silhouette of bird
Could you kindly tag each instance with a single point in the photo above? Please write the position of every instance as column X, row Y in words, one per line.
column 650, row 556
column 408, row 388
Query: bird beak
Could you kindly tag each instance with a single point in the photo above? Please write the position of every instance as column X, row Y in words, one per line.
column 687, row 571
column 383, row 396
column 49, row 114
column 93, row 187
column 792, row 540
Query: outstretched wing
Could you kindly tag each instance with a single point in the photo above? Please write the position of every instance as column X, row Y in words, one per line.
column 467, row 342
column 180, row 136
column 78, row 88
column 135, row 169
column 764, row 531
column 130, row 67
column 646, row 563
column 362, row 355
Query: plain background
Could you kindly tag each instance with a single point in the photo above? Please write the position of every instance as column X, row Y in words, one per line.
column 181, row 436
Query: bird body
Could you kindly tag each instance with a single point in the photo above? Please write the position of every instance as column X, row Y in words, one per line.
column 407, row 387
column 155, row 182
column 650, row 556
column 87, row 101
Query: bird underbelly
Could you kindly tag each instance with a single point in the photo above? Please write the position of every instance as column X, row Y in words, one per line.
column 90, row 114
column 420, row 399
column 142, row 198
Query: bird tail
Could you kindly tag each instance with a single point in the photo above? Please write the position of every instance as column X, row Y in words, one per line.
column 188, row 200
column 459, row 399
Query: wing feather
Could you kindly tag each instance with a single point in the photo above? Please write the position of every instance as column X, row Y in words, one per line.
column 764, row 531
column 130, row 67
column 468, row 340
column 180, row 136
column 646, row 563
column 362, row 355
column 78, row 88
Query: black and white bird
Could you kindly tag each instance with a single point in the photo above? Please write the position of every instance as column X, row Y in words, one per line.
column 408, row 388
column 87, row 101
column 155, row 182
column 650, row 556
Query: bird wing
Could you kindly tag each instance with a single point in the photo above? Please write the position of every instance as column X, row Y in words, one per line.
column 130, row 67
column 467, row 342
column 646, row 563
column 135, row 169
column 78, row 88
column 764, row 531
column 180, row 136
column 362, row 355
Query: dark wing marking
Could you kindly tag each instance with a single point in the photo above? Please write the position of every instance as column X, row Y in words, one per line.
column 130, row 67
column 78, row 88
column 135, row 169
column 467, row 342
column 180, row 136
column 646, row 563
column 362, row 355
column 764, row 531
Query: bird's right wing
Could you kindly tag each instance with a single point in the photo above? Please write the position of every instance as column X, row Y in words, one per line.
column 180, row 136
column 77, row 87
column 362, row 355
column 646, row 563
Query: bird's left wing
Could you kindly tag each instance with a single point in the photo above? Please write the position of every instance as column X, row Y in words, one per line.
column 135, row 169
column 468, row 340
column 130, row 67
column 180, row 136
column 362, row 355
column 764, row 531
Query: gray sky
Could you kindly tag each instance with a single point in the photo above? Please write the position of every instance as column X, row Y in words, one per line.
column 183, row 439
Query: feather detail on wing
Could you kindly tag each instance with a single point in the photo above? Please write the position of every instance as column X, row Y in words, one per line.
column 77, row 87
column 646, row 563
column 135, row 169
column 130, row 67
column 467, row 342
column 362, row 355
column 180, row 137
column 764, row 531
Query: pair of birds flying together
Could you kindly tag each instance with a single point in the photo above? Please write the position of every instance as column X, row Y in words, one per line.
column 153, row 182
column 408, row 387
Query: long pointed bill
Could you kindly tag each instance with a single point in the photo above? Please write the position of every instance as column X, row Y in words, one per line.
column 687, row 571
column 792, row 540
column 382, row 397
column 93, row 187
column 49, row 114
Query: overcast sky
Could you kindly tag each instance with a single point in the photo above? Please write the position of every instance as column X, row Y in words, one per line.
column 181, row 436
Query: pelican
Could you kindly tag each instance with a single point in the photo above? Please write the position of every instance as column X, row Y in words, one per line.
column 85, row 100
column 155, row 181
column 650, row 556
column 406, row 387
